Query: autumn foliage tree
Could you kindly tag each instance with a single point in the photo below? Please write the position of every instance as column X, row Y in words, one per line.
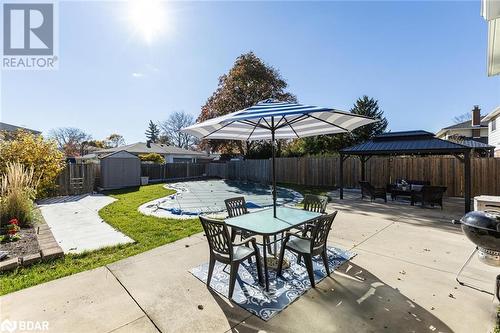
column 248, row 82
column 331, row 144
column 33, row 151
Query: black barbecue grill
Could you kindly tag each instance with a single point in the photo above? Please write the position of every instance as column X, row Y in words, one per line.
column 483, row 229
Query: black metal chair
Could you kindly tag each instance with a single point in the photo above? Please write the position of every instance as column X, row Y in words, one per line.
column 315, row 203
column 309, row 247
column 372, row 191
column 227, row 252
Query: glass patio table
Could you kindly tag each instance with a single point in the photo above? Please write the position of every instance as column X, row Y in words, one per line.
column 264, row 224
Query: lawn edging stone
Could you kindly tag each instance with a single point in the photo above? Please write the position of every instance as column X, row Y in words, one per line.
column 49, row 248
column 9, row 264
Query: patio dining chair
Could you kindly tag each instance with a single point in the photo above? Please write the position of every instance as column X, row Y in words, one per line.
column 227, row 252
column 314, row 203
column 236, row 207
column 309, row 247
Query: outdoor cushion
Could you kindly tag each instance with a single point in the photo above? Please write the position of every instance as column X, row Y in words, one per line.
column 415, row 187
column 240, row 252
column 299, row 244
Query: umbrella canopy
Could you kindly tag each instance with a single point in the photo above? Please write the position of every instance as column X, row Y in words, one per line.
column 287, row 120
column 271, row 119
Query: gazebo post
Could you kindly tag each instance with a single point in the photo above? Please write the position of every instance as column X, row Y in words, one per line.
column 467, row 175
column 363, row 170
column 341, row 175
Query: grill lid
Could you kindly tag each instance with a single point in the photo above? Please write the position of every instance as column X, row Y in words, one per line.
column 482, row 220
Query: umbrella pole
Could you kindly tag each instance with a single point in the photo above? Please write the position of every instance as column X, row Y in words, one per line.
column 274, row 166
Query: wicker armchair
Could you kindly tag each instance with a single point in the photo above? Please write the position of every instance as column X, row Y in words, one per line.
column 308, row 247
column 373, row 192
column 227, row 252
column 432, row 195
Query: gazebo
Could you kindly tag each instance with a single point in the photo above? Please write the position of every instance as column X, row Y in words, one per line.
column 408, row 143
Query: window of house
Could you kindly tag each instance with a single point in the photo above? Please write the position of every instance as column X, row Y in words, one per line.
column 494, row 124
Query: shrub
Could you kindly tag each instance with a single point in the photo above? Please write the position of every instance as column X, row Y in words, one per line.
column 17, row 191
column 33, row 151
column 152, row 157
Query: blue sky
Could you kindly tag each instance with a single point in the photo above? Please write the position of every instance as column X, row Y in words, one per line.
column 424, row 61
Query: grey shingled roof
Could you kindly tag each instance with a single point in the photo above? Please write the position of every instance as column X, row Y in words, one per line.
column 142, row 148
column 407, row 142
column 12, row 128
column 476, row 144
column 467, row 124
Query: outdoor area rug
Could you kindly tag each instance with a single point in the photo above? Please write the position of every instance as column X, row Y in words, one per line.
column 283, row 291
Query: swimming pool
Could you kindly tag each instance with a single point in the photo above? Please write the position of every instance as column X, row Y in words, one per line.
column 207, row 197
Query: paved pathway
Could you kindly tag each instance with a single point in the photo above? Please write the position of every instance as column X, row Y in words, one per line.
column 76, row 225
column 402, row 280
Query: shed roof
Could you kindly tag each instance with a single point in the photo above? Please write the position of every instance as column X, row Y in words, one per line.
column 120, row 154
column 406, row 143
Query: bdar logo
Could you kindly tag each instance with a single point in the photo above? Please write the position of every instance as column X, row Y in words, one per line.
column 8, row 326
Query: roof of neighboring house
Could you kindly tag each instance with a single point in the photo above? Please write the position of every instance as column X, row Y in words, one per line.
column 407, row 142
column 13, row 128
column 492, row 114
column 475, row 144
column 465, row 125
column 143, row 148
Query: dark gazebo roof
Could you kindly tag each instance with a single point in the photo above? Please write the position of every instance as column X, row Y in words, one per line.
column 406, row 143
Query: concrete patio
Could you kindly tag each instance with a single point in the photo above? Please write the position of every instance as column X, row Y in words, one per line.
column 402, row 280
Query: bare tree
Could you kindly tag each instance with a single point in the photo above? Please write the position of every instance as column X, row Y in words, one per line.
column 115, row 140
column 70, row 140
column 172, row 129
column 463, row 117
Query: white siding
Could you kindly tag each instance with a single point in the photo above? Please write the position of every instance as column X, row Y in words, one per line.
column 494, row 136
column 463, row 132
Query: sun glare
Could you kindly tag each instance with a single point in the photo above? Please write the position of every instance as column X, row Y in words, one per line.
column 148, row 18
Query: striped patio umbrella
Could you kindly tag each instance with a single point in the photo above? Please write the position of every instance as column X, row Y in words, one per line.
column 271, row 120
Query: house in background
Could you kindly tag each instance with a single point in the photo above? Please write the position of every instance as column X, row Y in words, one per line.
column 171, row 154
column 490, row 10
column 493, row 121
column 8, row 128
column 475, row 129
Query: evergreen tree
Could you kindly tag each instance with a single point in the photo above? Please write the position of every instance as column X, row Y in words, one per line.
column 366, row 106
column 153, row 132
column 330, row 144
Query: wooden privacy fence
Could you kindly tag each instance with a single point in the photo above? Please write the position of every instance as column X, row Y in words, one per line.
column 78, row 179
column 380, row 171
column 161, row 172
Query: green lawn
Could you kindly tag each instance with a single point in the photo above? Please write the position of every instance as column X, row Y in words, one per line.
column 148, row 232
column 303, row 189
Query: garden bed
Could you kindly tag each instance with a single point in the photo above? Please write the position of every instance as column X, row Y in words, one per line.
column 26, row 245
